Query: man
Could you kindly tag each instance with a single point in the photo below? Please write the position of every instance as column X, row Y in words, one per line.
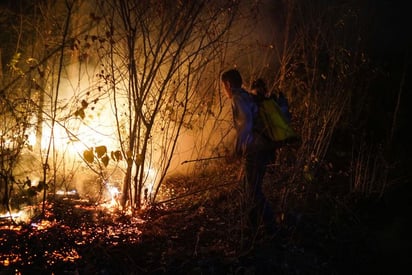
column 252, row 148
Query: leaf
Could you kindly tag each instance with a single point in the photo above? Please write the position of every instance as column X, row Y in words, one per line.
column 105, row 160
column 80, row 113
column 84, row 104
column 100, row 151
column 116, row 155
column 88, row 155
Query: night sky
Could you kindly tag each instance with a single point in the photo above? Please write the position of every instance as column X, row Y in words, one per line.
column 391, row 48
column 392, row 35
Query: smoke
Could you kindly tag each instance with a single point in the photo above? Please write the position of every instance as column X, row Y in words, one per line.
column 86, row 119
column 257, row 40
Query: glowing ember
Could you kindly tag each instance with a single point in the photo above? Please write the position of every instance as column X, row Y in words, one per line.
column 10, row 227
column 65, row 256
column 43, row 224
column 55, row 240
column 7, row 260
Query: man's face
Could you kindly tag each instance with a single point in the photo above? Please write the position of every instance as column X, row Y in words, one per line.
column 226, row 88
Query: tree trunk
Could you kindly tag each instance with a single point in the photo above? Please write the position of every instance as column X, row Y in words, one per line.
column 126, row 184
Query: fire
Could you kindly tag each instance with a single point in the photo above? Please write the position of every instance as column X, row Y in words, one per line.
column 66, row 256
column 23, row 216
column 31, row 139
column 69, row 193
column 10, row 215
column 151, row 176
column 42, row 225
column 114, row 194
column 7, row 260
column 63, row 239
column 14, row 217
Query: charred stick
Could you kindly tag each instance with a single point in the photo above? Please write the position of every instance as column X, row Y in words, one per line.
column 202, row 159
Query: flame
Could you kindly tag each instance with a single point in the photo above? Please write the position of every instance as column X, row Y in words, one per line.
column 22, row 216
column 10, row 215
column 10, row 226
column 31, row 140
column 113, row 197
column 151, row 176
column 73, row 133
column 72, row 192
column 114, row 191
column 43, row 224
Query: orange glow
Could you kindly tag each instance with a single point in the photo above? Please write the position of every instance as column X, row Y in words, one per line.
column 7, row 260
column 114, row 196
column 65, row 256
column 43, row 224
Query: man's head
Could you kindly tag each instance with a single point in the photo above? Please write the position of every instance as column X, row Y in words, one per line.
column 231, row 79
column 258, row 87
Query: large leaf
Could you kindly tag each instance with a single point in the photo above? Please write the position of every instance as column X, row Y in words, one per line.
column 88, row 155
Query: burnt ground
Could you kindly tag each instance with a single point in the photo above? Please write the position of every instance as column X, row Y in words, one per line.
column 201, row 231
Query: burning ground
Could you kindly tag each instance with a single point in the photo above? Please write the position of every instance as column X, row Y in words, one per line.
column 199, row 230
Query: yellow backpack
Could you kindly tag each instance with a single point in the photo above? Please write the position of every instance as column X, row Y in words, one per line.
column 274, row 124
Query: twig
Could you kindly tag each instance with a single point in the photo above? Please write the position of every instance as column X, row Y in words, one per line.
column 196, row 192
column 202, row 159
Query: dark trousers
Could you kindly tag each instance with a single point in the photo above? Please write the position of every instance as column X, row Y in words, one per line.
column 259, row 209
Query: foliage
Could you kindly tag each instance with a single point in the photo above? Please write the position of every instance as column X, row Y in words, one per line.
column 149, row 97
column 152, row 62
column 326, row 73
column 125, row 88
column 15, row 112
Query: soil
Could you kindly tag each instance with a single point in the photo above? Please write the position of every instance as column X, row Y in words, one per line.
column 199, row 229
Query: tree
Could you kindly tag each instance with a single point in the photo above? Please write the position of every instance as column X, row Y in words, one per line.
column 153, row 64
column 154, row 56
column 36, row 71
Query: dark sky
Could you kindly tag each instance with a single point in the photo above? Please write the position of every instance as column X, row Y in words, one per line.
column 392, row 32
column 392, row 45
